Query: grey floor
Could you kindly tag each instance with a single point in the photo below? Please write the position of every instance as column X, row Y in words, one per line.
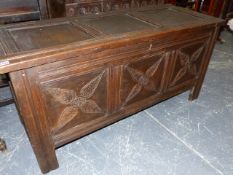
column 175, row 137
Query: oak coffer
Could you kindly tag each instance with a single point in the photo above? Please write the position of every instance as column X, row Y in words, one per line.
column 73, row 76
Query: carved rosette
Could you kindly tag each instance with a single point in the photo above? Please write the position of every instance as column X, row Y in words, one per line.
column 188, row 64
column 76, row 101
column 143, row 81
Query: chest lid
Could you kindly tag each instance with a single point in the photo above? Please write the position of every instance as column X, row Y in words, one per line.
column 44, row 37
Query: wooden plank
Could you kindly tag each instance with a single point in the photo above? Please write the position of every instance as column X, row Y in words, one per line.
column 36, row 127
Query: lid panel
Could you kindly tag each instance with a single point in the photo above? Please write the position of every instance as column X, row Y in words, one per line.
column 116, row 24
column 38, row 37
column 168, row 17
column 49, row 37
column 2, row 53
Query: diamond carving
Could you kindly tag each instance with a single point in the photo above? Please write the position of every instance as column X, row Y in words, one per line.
column 142, row 80
column 76, row 103
column 188, row 64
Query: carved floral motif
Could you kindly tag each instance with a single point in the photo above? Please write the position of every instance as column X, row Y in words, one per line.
column 76, row 103
column 143, row 80
column 82, row 7
column 188, row 63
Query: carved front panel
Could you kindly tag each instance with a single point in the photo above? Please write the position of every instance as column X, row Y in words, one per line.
column 187, row 63
column 77, row 99
column 142, row 79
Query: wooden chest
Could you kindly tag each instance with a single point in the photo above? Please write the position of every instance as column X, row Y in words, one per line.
column 73, row 76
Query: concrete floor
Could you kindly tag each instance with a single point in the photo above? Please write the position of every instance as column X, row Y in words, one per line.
column 175, row 137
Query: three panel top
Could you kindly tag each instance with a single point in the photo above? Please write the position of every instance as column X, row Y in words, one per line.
column 32, row 37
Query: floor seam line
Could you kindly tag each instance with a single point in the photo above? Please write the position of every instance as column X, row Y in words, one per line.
column 226, row 53
column 190, row 147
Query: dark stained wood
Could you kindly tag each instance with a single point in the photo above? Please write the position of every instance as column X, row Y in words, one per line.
column 61, row 8
column 2, row 145
column 56, row 8
column 44, row 11
column 12, row 11
column 196, row 89
column 228, row 8
column 36, row 125
column 210, row 7
column 74, row 76
column 4, row 82
column 4, row 102
column 18, row 15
